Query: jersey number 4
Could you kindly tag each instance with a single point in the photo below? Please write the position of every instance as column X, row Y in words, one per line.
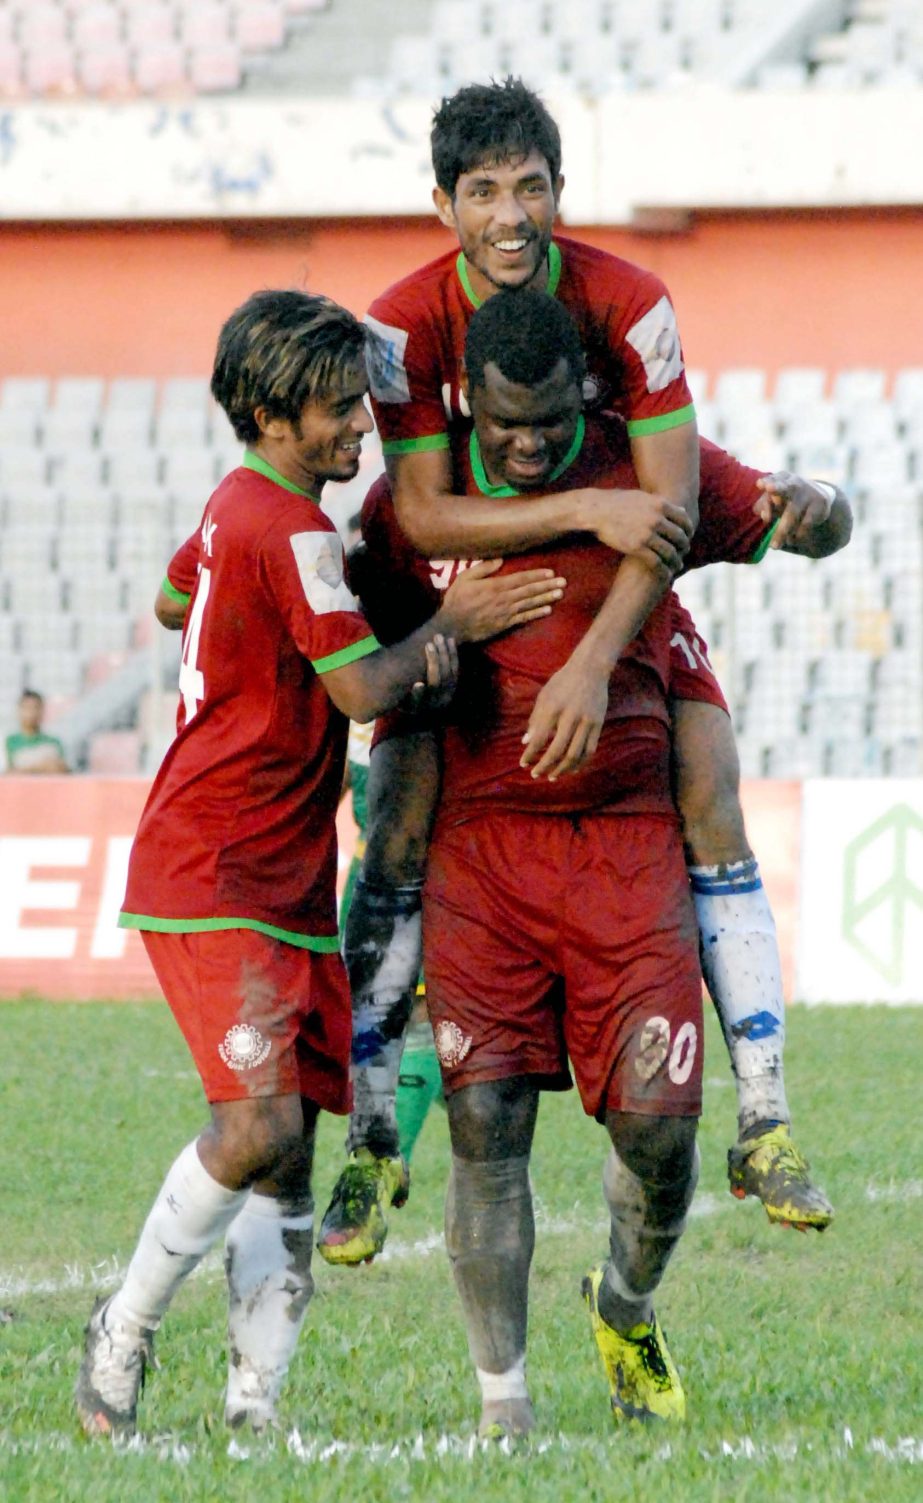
column 191, row 678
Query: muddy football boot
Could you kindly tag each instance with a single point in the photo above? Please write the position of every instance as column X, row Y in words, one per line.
column 116, row 1359
column 770, row 1167
column 355, row 1223
column 643, row 1381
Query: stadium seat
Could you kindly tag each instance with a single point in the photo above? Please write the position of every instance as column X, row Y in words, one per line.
column 215, row 68
column 115, row 753
column 259, row 25
column 161, row 69
column 149, row 26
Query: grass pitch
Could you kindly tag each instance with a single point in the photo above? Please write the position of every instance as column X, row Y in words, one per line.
column 800, row 1354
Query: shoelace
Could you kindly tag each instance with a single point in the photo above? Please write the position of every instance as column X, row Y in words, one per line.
column 652, row 1357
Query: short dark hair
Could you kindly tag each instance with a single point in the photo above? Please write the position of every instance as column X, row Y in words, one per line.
column 524, row 333
column 277, row 350
column 32, row 694
column 495, row 122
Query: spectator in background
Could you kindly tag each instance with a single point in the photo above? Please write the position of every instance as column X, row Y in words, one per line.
column 30, row 749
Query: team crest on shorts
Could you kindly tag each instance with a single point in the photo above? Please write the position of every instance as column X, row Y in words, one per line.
column 243, row 1047
column 451, row 1044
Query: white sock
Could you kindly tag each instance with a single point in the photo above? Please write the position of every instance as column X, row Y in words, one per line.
column 268, row 1266
column 743, row 973
column 191, row 1212
column 495, row 1387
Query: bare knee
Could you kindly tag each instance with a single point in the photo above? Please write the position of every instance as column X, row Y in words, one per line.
column 263, row 1140
column 495, row 1120
column 706, row 780
column 658, row 1150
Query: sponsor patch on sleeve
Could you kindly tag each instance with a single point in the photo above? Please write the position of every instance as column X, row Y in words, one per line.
column 656, row 339
column 385, row 357
column 320, row 561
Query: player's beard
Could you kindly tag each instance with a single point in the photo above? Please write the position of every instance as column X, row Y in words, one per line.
column 543, row 242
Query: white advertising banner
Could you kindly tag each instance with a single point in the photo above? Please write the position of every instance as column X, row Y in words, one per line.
column 626, row 155
column 861, row 927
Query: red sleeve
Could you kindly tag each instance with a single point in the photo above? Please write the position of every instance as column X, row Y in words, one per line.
column 729, row 530
column 180, row 578
column 405, row 377
column 304, row 569
column 396, row 591
column 633, row 309
column 655, row 392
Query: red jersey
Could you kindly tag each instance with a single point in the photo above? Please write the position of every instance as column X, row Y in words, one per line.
column 494, row 703
column 501, row 679
column 729, row 531
column 627, row 329
column 239, row 828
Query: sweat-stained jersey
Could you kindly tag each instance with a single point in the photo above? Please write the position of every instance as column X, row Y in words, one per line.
column 627, row 329
column 501, row 679
column 239, row 828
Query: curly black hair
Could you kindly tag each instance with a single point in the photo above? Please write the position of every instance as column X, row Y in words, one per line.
column 492, row 123
column 524, row 333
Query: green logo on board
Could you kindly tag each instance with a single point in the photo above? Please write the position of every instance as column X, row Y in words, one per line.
column 882, row 880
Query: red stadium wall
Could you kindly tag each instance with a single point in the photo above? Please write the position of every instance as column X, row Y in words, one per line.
column 769, row 289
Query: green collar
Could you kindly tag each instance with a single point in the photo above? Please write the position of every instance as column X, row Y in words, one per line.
column 554, row 275
column 262, row 466
column 480, row 474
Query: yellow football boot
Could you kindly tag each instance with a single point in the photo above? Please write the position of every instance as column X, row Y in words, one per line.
column 770, row 1167
column 643, row 1381
column 355, row 1223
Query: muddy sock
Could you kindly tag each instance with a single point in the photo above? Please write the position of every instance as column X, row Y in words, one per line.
column 268, row 1267
column 190, row 1213
column 743, row 973
column 647, row 1219
column 490, row 1236
column 382, row 950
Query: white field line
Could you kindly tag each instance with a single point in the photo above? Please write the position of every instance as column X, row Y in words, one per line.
column 317, row 1450
column 895, row 1190
column 18, row 1284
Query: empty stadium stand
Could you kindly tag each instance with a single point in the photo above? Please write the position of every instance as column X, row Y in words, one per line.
column 822, row 662
column 120, row 49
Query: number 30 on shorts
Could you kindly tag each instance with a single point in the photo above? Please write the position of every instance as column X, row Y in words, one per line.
column 656, row 1049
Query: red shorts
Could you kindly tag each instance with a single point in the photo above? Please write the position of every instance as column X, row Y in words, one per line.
column 691, row 674
column 548, row 935
column 261, row 1017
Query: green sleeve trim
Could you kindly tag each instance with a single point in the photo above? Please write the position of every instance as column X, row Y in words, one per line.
column 174, row 593
column 554, row 269
column 763, row 546
column 676, row 419
column 416, row 445
column 323, row 944
column 346, row 655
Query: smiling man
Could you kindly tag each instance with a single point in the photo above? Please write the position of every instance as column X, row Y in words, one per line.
column 497, row 161
column 556, row 918
column 232, row 873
